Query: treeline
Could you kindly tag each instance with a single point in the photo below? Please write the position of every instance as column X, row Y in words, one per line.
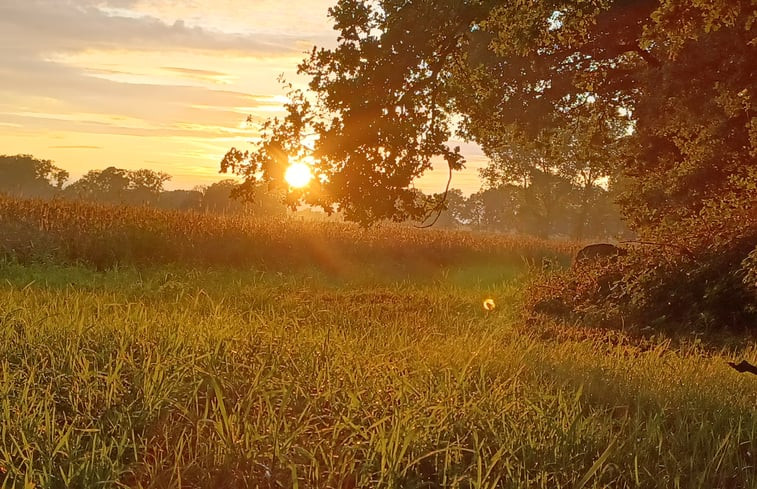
column 28, row 177
column 549, row 207
column 553, row 208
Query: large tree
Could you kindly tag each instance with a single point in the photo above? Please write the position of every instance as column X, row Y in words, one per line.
column 667, row 85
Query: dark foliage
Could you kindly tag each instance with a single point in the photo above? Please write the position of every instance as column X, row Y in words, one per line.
column 708, row 288
column 27, row 176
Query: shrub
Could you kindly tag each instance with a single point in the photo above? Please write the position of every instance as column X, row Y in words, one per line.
column 712, row 284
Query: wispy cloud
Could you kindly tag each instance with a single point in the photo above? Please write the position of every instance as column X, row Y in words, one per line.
column 34, row 26
column 214, row 76
column 157, row 80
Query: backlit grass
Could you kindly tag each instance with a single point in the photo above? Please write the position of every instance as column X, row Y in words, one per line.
column 170, row 377
column 104, row 236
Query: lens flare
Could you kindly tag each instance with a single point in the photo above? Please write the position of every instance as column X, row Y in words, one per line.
column 298, row 175
column 489, row 304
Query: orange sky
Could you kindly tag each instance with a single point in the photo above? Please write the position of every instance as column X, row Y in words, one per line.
column 160, row 84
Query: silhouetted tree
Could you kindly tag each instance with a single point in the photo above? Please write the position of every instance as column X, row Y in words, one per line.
column 222, row 197
column 117, row 185
column 27, row 176
column 108, row 185
column 145, row 186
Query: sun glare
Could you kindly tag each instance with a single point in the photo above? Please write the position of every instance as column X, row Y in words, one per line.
column 298, row 175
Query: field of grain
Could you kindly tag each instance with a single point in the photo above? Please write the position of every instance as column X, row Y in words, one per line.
column 155, row 373
column 103, row 236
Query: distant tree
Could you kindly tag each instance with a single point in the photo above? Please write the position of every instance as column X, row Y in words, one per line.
column 452, row 216
column 549, row 206
column 117, row 185
column 27, row 176
column 108, row 185
column 495, row 209
column 223, row 197
column 145, row 186
column 184, row 200
column 454, row 212
column 218, row 198
column 558, row 167
column 604, row 219
column 511, row 208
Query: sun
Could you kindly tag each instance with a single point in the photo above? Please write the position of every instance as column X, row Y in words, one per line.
column 298, row 175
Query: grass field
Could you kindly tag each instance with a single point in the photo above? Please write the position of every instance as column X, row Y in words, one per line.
column 171, row 378
column 158, row 374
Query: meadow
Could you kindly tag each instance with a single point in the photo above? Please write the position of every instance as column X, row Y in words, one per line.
column 196, row 351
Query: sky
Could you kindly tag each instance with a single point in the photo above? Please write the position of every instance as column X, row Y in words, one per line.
column 160, row 84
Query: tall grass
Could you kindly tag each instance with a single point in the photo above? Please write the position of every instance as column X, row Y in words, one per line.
column 104, row 236
column 248, row 379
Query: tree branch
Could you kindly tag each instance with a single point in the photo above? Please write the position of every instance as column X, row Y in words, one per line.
column 645, row 55
column 744, row 367
column 440, row 206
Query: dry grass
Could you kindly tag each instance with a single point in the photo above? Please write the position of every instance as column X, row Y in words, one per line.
column 104, row 236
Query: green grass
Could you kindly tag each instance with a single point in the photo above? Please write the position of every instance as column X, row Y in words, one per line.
column 170, row 377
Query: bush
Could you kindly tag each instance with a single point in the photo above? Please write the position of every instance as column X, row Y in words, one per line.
column 713, row 286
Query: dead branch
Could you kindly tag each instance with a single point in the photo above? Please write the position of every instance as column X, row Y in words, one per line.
column 744, row 367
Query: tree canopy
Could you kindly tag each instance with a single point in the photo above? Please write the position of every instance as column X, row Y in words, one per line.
column 655, row 96
column 121, row 186
column 27, row 176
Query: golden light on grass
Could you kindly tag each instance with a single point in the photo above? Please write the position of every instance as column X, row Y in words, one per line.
column 298, row 175
column 489, row 304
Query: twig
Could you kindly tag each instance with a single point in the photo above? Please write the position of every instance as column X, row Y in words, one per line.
column 440, row 206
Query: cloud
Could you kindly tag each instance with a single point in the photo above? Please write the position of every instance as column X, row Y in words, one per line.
column 51, row 87
column 41, row 41
column 209, row 75
column 45, row 26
